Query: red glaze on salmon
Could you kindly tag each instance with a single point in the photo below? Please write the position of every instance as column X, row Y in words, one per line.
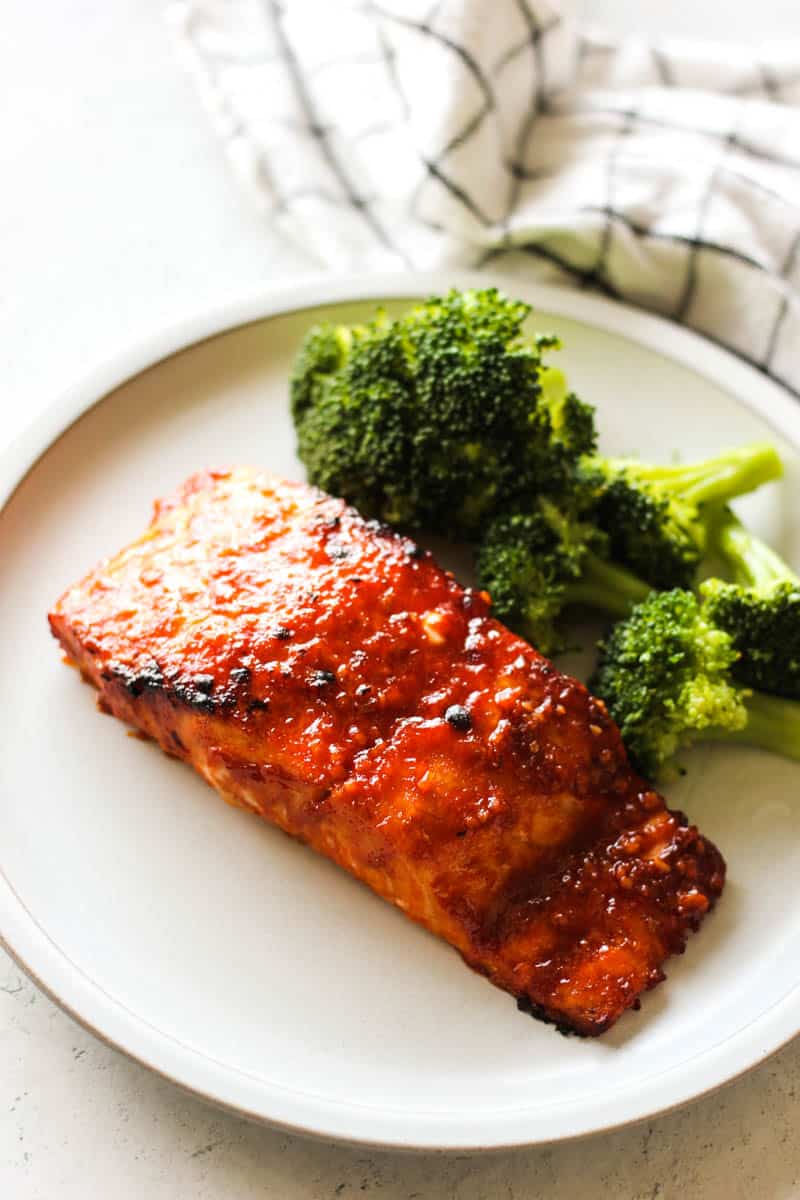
column 322, row 671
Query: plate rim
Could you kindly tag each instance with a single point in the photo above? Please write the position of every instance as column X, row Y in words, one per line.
column 108, row 1019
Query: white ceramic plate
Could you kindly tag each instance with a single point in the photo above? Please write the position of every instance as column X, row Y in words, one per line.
column 213, row 949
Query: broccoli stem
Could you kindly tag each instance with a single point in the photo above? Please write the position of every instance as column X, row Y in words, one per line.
column 606, row 586
column 754, row 563
column 735, row 473
column 773, row 723
column 717, row 479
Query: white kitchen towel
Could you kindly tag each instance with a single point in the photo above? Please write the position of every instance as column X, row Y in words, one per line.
column 413, row 133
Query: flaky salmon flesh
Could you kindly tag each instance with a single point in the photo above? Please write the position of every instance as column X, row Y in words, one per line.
column 325, row 673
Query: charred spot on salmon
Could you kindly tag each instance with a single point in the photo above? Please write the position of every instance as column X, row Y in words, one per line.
column 525, row 1005
column 204, row 684
column 322, row 679
column 459, row 718
column 136, row 682
column 281, row 633
column 257, row 704
column 362, row 691
column 190, row 695
column 240, row 675
column 149, row 679
column 337, row 550
column 379, row 528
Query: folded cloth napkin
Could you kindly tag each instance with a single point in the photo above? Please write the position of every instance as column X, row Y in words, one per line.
column 422, row 133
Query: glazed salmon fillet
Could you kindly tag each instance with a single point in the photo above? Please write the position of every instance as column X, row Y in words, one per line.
column 325, row 673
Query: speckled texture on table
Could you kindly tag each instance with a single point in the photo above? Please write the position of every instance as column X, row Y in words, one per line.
column 118, row 215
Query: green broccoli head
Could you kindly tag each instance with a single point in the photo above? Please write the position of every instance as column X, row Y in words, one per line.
column 353, row 399
column 537, row 563
column 665, row 674
column 760, row 610
column 526, row 562
column 324, row 350
column 439, row 418
column 764, row 626
column 572, row 421
column 658, row 517
column 653, row 532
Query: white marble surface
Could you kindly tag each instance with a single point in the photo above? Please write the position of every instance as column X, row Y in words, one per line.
column 117, row 214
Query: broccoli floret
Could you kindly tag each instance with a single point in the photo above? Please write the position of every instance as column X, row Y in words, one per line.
column 657, row 517
column 572, row 420
column 440, row 418
column 353, row 400
column 760, row 610
column 666, row 674
column 322, row 353
column 535, row 564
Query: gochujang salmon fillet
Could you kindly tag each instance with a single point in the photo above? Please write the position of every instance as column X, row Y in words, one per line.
column 325, row 673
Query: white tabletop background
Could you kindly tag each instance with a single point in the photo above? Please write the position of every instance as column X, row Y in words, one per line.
column 118, row 214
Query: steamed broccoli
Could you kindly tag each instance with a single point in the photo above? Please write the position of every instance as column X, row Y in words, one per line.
column 440, row 418
column 760, row 610
column 657, row 517
column 666, row 674
column 536, row 563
